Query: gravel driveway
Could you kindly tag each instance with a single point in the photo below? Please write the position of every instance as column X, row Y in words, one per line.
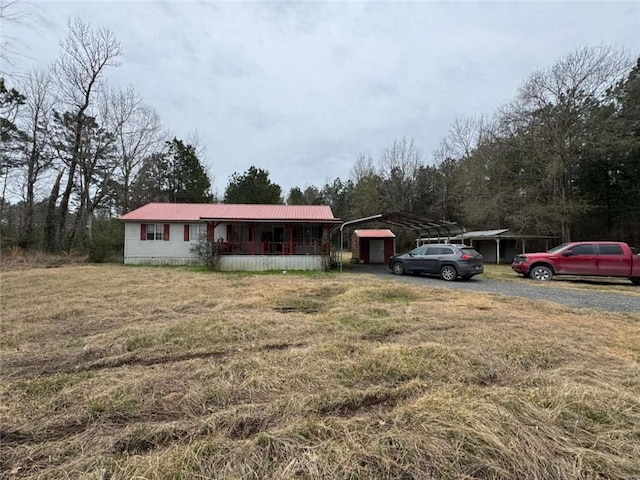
column 614, row 302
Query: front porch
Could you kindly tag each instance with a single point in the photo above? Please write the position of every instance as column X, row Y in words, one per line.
column 270, row 239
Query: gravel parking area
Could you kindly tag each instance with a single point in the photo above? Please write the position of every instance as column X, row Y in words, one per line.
column 608, row 301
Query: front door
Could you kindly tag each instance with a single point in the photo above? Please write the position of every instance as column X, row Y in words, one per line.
column 376, row 251
column 278, row 238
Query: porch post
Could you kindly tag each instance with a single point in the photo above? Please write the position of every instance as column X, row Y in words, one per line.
column 253, row 238
column 291, row 249
column 497, row 251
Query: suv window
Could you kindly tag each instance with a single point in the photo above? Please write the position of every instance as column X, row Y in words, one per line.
column 447, row 251
column 470, row 251
column 611, row 249
column 420, row 250
column 433, row 251
column 586, row 249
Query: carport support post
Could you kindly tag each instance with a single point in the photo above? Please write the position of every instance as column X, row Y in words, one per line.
column 497, row 251
column 359, row 220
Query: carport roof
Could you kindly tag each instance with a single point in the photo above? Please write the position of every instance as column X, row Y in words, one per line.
column 423, row 226
column 427, row 228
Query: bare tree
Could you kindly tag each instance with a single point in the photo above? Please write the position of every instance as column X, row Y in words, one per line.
column 40, row 101
column 138, row 134
column 11, row 11
column 464, row 136
column 363, row 167
column 86, row 53
column 399, row 166
column 554, row 102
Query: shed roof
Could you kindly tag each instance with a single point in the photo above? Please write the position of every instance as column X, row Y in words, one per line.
column 194, row 212
column 484, row 233
column 374, row 233
column 503, row 233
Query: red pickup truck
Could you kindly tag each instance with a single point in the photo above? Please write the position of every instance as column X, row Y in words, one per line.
column 602, row 259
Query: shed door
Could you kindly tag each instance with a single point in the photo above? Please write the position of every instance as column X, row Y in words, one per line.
column 376, row 251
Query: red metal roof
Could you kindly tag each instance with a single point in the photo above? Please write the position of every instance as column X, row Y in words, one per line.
column 192, row 212
column 372, row 233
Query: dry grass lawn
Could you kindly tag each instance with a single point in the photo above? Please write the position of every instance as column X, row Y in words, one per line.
column 113, row 372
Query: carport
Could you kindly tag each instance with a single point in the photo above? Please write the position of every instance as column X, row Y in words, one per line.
column 423, row 227
column 500, row 246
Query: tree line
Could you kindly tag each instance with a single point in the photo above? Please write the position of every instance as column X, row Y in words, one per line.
column 562, row 158
column 76, row 153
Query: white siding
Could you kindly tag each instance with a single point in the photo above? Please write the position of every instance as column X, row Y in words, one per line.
column 160, row 252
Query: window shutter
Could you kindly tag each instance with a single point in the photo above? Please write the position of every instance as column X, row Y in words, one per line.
column 186, row 232
column 210, row 231
column 165, row 237
column 143, row 231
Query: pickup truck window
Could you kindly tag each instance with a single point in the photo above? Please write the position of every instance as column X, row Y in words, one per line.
column 586, row 249
column 558, row 248
column 610, row 249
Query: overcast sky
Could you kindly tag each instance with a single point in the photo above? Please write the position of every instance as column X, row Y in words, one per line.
column 301, row 89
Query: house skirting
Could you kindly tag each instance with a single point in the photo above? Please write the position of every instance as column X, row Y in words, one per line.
column 246, row 263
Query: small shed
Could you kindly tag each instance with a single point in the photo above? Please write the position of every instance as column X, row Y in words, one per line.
column 373, row 246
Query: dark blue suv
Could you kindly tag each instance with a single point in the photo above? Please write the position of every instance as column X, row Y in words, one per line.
column 449, row 261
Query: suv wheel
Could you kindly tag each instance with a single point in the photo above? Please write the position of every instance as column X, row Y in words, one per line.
column 397, row 268
column 542, row 273
column 448, row 273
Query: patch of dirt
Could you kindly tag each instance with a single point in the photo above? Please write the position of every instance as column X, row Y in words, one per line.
column 291, row 309
column 283, row 346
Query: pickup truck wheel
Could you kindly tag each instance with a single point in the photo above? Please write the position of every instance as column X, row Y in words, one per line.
column 397, row 268
column 448, row 273
column 541, row 273
column 635, row 280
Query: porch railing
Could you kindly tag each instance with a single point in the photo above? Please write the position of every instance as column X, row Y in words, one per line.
column 314, row 247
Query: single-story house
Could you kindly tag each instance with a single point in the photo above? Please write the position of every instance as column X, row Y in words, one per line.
column 373, row 245
column 249, row 237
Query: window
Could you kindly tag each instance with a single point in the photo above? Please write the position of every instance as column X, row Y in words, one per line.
column 420, row 250
column 154, row 231
column 611, row 249
column 307, row 233
column 197, row 231
column 586, row 249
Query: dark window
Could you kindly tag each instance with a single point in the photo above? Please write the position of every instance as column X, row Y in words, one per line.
column 586, row 249
column 154, row 231
column 434, row 251
column 446, row 251
column 610, row 249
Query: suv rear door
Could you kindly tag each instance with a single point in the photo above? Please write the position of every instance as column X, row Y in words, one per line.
column 437, row 255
